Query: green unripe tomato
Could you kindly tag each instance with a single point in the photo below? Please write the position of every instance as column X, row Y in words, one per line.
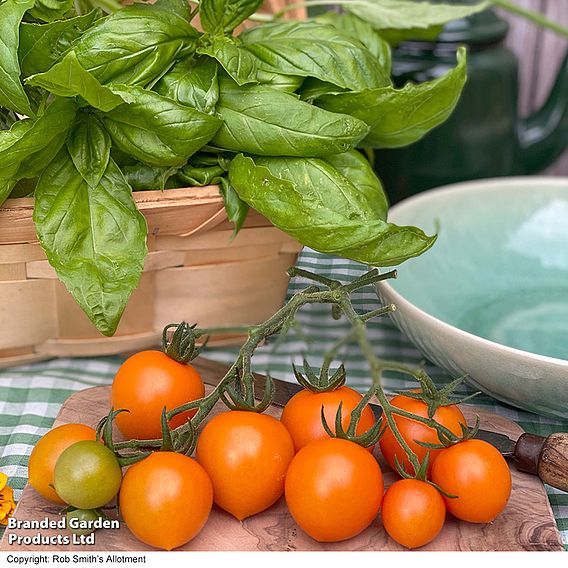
column 87, row 475
column 80, row 521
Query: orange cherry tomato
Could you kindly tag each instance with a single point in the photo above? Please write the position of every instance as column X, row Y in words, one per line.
column 144, row 384
column 449, row 416
column 246, row 455
column 302, row 414
column 478, row 474
column 46, row 452
column 165, row 499
column 334, row 489
column 413, row 512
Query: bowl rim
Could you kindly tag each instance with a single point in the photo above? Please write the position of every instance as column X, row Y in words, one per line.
column 398, row 299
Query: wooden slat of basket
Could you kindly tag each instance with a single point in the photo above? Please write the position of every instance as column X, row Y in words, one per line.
column 156, row 260
column 171, row 212
column 99, row 345
column 12, row 272
column 27, row 312
column 22, row 253
column 210, row 294
column 232, row 254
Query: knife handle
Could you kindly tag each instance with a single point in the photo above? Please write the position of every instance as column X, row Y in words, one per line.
column 545, row 457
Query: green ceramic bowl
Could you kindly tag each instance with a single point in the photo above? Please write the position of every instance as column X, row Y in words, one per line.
column 490, row 298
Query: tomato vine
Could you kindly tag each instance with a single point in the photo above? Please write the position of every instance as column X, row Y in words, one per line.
column 237, row 388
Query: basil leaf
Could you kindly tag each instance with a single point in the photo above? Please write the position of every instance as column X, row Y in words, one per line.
column 314, row 203
column 42, row 45
column 7, row 183
column 24, row 188
column 134, row 45
column 35, row 163
column 406, row 14
column 12, row 94
column 199, row 176
column 355, row 167
column 50, row 10
column 223, row 16
column 360, row 30
column 314, row 88
column 29, row 145
column 263, row 121
column 179, row 7
column 312, row 49
column 143, row 177
column 398, row 117
column 156, row 130
column 69, row 79
column 89, row 145
column 237, row 210
column 192, row 82
column 286, row 83
column 241, row 65
column 94, row 237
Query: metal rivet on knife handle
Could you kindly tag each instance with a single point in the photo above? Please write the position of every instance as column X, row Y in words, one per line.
column 545, row 457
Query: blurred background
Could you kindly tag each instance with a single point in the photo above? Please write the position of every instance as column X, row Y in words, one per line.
column 512, row 118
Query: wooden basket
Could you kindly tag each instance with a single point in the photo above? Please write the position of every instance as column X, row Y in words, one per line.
column 193, row 272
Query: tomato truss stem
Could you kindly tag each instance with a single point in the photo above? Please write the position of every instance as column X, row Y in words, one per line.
column 236, row 388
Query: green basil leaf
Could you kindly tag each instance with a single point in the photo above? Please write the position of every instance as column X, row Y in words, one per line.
column 7, row 119
column 317, row 205
column 192, row 82
column 398, row 117
column 223, row 16
column 29, row 145
column 42, row 45
column 12, row 94
column 394, row 37
column 201, row 170
column 263, row 121
column 355, row 167
column 314, row 88
column 69, row 79
column 134, row 45
column 89, row 145
column 241, row 65
column 7, row 183
column 237, row 210
column 406, row 14
column 94, row 237
column 51, row 10
column 286, row 83
column 179, row 7
column 312, row 49
column 143, row 177
column 24, row 188
column 35, row 163
column 360, row 30
column 157, row 130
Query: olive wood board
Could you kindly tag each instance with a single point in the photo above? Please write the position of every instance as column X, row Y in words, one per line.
column 527, row 523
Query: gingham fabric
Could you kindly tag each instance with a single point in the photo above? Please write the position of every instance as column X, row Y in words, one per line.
column 31, row 395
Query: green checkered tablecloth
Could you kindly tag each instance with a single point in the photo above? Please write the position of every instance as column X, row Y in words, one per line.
column 31, row 395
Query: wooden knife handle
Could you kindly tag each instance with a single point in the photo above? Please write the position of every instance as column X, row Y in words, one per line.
column 545, row 457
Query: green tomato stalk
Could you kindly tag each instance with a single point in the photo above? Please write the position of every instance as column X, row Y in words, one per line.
column 237, row 388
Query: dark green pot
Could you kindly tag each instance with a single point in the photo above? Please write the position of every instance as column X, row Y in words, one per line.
column 484, row 137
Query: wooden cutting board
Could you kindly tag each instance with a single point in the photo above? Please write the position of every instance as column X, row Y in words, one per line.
column 526, row 524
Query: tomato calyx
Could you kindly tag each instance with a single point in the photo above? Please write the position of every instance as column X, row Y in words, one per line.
column 435, row 398
column 366, row 439
column 239, row 395
column 181, row 346
column 322, row 382
column 421, row 475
